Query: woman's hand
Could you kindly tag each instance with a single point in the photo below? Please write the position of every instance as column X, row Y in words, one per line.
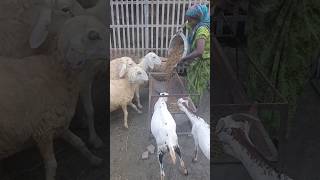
column 196, row 53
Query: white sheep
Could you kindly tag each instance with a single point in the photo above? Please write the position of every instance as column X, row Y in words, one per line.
column 233, row 132
column 40, row 34
column 147, row 63
column 200, row 129
column 163, row 128
column 39, row 93
column 122, row 90
column 117, row 64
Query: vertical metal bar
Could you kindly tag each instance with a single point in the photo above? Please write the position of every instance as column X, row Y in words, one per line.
column 173, row 17
column 128, row 26
column 118, row 23
column 178, row 17
column 152, row 23
column 142, row 26
column 167, row 22
column 146, row 23
column 157, row 24
column 123, row 28
column 163, row 24
column 183, row 13
column 138, row 25
column 113, row 26
column 132, row 23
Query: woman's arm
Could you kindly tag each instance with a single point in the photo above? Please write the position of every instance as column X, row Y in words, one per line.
column 195, row 53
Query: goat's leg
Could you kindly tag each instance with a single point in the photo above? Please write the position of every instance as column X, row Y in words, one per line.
column 177, row 150
column 135, row 107
column 125, row 115
column 160, row 158
column 86, row 98
column 137, row 95
column 196, row 144
column 47, row 152
column 75, row 141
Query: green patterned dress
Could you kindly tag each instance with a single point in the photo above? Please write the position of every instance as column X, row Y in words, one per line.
column 198, row 73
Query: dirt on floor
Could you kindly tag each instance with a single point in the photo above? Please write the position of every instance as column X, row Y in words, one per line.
column 127, row 146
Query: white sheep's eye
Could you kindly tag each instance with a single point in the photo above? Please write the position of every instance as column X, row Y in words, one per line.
column 139, row 73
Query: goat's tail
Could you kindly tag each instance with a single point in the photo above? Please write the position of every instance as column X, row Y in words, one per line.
column 172, row 154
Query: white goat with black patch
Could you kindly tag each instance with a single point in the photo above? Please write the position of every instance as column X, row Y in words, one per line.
column 200, row 129
column 163, row 128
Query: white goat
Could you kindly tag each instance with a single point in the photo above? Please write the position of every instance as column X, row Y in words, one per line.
column 233, row 132
column 122, row 90
column 163, row 128
column 147, row 63
column 200, row 129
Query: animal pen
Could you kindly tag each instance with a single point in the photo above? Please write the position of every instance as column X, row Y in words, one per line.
column 141, row 26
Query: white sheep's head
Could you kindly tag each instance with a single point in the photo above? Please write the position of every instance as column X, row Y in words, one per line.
column 137, row 75
column 52, row 15
column 186, row 103
column 164, row 94
column 233, row 130
column 81, row 39
column 152, row 59
column 125, row 63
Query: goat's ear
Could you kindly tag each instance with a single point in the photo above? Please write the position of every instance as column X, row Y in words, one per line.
column 150, row 63
column 123, row 69
column 41, row 29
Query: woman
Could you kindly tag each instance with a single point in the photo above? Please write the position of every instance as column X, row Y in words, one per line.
column 198, row 73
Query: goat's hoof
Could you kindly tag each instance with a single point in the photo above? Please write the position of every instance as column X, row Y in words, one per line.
column 194, row 160
column 126, row 126
column 185, row 172
column 95, row 161
column 140, row 112
column 140, row 106
column 96, row 142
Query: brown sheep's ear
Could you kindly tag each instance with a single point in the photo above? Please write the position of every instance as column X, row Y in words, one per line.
column 41, row 29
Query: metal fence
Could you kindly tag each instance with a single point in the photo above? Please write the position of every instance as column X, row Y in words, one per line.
column 146, row 25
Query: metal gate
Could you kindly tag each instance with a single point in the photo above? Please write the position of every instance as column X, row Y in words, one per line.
column 146, row 25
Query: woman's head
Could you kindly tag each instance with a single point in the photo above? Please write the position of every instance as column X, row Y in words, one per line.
column 197, row 13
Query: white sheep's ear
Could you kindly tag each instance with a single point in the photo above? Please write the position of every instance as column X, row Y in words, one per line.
column 41, row 29
column 122, row 70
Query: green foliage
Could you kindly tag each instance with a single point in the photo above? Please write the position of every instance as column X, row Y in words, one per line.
column 198, row 77
column 282, row 37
